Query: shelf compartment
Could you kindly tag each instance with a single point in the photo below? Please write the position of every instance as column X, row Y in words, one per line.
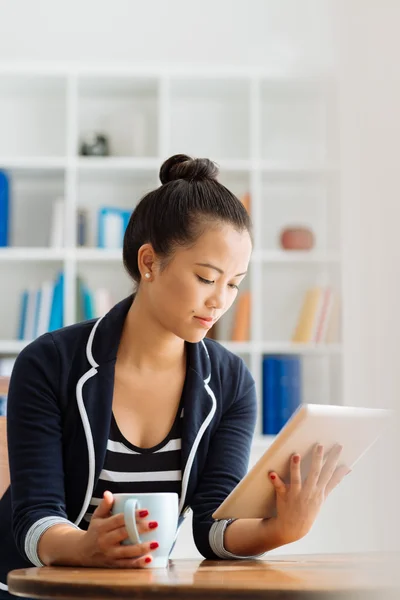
column 32, row 194
column 110, row 189
column 293, row 121
column 32, row 116
column 293, row 202
column 284, row 289
column 123, row 108
column 18, row 279
column 210, row 118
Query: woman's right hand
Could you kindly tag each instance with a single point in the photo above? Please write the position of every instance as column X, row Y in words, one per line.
column 101, row 544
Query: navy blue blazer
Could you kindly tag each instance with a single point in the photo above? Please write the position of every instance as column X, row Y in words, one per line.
column 58, row 419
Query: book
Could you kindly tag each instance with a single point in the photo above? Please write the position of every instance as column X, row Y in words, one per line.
column 4, row 209
column 57, row 226
column 102, row 302
column 306, row 324
column 46, row 301
column 81, row 227
column 270, row 399
column 332, row 330
column 57, row 306
column 281, row 392
column 324, row 315
column 289, row 388
column 246, row 201
column 22, row 314
column 6, row 367
column 241, row 322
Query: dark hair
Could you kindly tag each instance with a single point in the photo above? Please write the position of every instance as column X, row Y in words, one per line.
column 177, row 212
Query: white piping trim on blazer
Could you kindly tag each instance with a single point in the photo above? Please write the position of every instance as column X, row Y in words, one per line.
column 85, row 421
column 207, row 421
column 89, row 437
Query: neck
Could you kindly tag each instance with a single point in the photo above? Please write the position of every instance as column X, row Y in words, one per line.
column 145, row 345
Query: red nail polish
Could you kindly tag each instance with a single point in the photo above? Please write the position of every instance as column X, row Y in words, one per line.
column 153, row 524
column 296, row 459
column 273, row 476
column 147, row 560
column 143, row 513
column 154, row 545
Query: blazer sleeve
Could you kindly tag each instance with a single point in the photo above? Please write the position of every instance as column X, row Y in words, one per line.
column 226, row 464
column 34, row 431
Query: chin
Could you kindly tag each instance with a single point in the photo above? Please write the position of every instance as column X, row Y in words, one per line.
column 194, row 337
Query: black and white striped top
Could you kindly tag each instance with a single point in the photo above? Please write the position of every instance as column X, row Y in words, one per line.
column 130, row 469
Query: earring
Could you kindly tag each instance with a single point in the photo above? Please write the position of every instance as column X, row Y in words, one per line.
column 147, row 275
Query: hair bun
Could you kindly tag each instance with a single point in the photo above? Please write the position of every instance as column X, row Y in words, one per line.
column 181, row 166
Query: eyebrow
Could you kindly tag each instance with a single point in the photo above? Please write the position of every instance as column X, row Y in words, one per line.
column 218, row 269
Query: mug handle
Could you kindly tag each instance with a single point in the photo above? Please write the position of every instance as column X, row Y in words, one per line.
column 130, row 521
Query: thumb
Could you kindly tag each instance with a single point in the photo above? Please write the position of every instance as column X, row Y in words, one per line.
column 105, row 506
column 279, row 485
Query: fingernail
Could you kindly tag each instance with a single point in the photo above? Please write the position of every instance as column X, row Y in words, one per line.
column 273, row 476
column 153, row 524
column 154, row 545
column 143, row 513
column 296, row 459
column 147, row 560
column 319, row 449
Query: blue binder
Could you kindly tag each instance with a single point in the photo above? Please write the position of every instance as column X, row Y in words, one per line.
column 4, row 209
column 270, row 396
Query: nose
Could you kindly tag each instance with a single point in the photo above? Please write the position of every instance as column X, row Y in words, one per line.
column 217, row 299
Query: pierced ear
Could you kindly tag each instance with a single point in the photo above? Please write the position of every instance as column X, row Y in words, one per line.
column 146, row 260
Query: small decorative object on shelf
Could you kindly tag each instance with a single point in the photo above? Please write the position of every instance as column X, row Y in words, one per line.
column 297, row 238
column 95, row 144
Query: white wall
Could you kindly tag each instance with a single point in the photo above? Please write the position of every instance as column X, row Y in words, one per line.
column 283, row 36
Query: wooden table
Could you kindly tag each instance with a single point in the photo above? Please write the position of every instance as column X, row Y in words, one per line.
column 348, row 576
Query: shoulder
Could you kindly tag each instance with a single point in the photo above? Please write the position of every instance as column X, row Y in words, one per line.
column 229, row 370
column 60, row 343
column 221, row 357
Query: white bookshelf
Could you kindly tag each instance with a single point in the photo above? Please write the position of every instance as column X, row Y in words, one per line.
column 271, row 136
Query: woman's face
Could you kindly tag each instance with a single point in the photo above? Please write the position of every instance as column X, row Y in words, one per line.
column 200, row 283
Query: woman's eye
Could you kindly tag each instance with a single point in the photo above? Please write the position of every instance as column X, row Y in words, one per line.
column 233, row 286
column 205, row 280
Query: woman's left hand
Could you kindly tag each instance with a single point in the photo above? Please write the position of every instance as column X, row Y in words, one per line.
column 297, row 503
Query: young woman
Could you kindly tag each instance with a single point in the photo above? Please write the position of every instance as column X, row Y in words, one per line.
column 90, row 406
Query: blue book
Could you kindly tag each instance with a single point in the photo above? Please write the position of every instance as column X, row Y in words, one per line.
column 4, row 209
column 289, row 388
column 88, row 304
column 22, row 314
column 111, row 222
column 57, row 307
column 37, row 312
column 295, row 384
column 126, row 216
column 270, row 396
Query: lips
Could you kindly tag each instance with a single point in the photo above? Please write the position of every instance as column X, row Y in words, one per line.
column 206, row 322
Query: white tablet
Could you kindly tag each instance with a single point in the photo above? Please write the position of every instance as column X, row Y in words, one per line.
column 356, row 429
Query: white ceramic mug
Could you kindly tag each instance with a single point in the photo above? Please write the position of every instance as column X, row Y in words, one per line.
column 163, row 508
